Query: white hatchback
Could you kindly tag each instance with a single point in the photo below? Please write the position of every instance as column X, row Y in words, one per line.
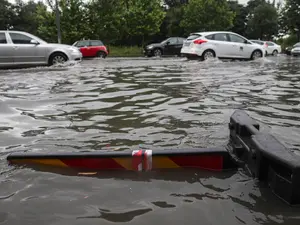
column 270, row 47
column 221, row 44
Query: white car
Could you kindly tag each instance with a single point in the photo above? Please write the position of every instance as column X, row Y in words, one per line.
column 221, row 44
column 21, row 49
column 270, row 47
column 296, row 50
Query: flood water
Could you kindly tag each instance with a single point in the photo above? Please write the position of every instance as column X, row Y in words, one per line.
column 123, row 103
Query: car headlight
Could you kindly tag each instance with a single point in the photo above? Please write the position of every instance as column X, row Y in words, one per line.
column 150, row 47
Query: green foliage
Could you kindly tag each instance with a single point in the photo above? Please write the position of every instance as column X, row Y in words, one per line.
column 207, row 15
column 125, row 51
column 241, row 13
column 135, row 22
column 143, row 17
column 104, row 20
column 73, row 20
column 6, row 15
column 263, row 22
column 290, row 17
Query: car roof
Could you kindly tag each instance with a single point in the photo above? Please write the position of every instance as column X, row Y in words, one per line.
column 212, row 32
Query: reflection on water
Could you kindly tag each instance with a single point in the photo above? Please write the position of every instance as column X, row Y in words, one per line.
column 142, row 103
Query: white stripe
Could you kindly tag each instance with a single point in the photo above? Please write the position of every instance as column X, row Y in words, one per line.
column 148, row 153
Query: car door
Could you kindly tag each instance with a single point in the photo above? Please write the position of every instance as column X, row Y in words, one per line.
column 84, row 47
column 95, row 47
column 170, row 47
column 240, row 48
column 271, row 47
column 25, row 51
column 221, row 44
column 178, row 46
column 6, row 50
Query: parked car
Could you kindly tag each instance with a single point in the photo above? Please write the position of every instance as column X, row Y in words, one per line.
column 288, row 49
column 270, row 47
column 296, row 50
column 92, row 48
column 221, row 44
column 170, row 46
column 21, row 49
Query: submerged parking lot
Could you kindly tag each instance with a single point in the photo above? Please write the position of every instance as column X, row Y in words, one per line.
column 132, row 103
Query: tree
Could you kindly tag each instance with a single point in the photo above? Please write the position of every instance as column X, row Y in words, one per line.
column 290, row 19
column 6, row 15
column 54, row 5
column 105, row 20
column 47, row 26
column 207, row 15
column 143, row 18
column 239, row 22
column 73, row 20
column 26, row 16
column 263, row 23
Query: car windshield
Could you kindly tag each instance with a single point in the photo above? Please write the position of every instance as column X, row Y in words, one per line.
column 193, row 36
column 257, row 42
column 297, row 45
column 165, row 41
column 38, row 39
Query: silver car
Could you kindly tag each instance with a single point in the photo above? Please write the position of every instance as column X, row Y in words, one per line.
column 20, row 48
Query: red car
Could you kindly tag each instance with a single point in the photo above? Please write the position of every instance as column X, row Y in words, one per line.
column 92, row 48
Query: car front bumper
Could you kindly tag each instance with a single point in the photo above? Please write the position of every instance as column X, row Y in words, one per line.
column 76, row 56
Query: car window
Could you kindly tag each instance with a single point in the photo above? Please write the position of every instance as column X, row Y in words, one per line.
column 82, row 43
column 193, row 36
column 209, row 37
column 220, row 37
column 270, row 44
column 173, row 41
column 2, row 38
column 20, row 38
column 235, row 38
column 180, row 40
column 257, row 42
column 96, row 43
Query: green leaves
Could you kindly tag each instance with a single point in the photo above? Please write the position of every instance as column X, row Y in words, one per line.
column 207, row 15
column 263, row 22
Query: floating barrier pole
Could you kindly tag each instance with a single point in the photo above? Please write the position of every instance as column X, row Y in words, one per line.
column 261, row 154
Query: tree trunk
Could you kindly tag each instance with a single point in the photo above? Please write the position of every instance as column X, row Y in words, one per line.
column 57, row 14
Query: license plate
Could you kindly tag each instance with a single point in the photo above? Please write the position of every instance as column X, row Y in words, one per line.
column 187, row 44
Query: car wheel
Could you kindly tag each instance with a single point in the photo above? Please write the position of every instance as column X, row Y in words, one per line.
column 275, row 53
column 157, row 52
column 256, row 54
column 208, row 54
column 58, row 58
column 101, row 54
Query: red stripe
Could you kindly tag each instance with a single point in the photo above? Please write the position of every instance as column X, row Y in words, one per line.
column 93, row 163
column 212, row 162
column 137, row 159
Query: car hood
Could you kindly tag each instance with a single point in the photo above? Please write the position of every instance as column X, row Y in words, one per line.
column 296, row 49
column 154, row 45
column 60, row 45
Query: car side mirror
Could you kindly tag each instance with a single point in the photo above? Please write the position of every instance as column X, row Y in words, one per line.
column 35, row 42
column 167, row 43
column 247, row 42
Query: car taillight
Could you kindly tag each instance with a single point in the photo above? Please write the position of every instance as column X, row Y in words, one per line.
column 199, row 42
